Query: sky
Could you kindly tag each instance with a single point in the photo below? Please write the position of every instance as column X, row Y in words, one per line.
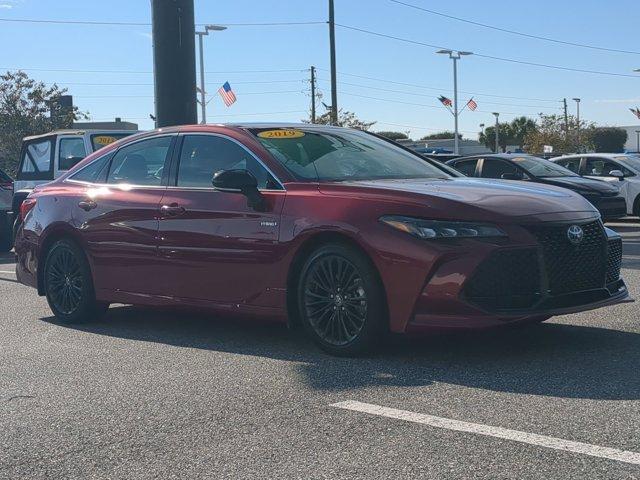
column 108, row 69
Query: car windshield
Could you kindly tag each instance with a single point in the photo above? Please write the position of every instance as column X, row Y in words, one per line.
column 539, row 167
column 631, row 160
column 342, row 155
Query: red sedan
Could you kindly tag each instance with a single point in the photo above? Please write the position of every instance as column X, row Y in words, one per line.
column 339, row 230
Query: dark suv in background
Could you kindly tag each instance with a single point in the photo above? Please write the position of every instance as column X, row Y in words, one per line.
column 604, row 196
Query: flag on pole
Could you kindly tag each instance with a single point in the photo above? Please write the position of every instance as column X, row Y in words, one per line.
column 471, row 104
column 635, row 111
column 228, row 97
column 445, row 101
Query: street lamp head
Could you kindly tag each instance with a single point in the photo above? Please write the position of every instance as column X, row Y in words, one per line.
column 465, row 53
column 637, row 70
column 447, row 52
column 215, row 28
column 577, row 100
column 497, row 114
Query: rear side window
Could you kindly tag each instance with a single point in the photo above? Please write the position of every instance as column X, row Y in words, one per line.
column 141, row 163
column 36, row 160
column 92, row 172
column 71, row 152
column 467, row 167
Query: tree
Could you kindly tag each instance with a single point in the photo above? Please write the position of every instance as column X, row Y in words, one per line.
column 551, row 130
column 505, row 136
column 444, row 135
column 393, row 135
column 25, row 107
column 608, row 139
column 520, row 128
column 345, row 119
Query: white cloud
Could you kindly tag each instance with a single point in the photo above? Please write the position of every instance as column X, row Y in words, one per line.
column 6, row 6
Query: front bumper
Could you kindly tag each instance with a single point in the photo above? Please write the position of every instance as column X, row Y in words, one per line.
column 519, row 283
column 610, row 208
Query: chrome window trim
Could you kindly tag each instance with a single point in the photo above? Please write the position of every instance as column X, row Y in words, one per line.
column 220, row 135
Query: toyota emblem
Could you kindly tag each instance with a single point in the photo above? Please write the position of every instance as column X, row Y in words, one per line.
column 575, row 234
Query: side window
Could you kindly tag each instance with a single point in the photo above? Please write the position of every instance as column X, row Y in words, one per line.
column 468, row 167
column 601, row 167
column 141, row 163
column 91, row 172
column 494, row 168
column 71, row 151
column 572, row 164
column 203, row 155
column 37, row 157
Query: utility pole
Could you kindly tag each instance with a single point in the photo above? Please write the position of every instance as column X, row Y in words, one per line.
column 332, row 47
column 203, row 101
column 174, row 62
column 566, row 118
column 577, row 100
column 455, row 56
column 497, row 114
column 313, row 94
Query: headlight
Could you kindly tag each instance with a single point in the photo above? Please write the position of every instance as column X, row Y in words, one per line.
column 435, row 229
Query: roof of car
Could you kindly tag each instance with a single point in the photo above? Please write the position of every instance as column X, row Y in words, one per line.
column 587, row 155
column 506, row 156
column 72, row 131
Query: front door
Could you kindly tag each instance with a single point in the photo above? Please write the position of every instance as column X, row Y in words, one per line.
column 117, row 214
column 599, row 168
column 214, row 246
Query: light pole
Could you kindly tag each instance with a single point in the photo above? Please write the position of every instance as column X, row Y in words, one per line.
column 332, row 54
column 577, row 100
column 497, row 114
column 455, row 56
column 203, row 103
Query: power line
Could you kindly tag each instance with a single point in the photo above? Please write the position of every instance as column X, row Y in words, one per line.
column 148, row 84
column 66, row 70
column 439, row 89
column 146, row 24
column 423, row 128
column 151, row 96
column 491, row 57
column 125, row 117
column 443, row 90
column 514, row 32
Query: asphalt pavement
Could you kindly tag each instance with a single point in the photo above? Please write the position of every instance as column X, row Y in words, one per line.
column 146, row 394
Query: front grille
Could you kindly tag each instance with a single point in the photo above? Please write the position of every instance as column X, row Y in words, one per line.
column 569, row 267
column 614, row 260
column 507, row 279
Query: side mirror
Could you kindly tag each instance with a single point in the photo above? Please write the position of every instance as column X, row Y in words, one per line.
column 512, row 176
column 617, row 173
column 240, row 181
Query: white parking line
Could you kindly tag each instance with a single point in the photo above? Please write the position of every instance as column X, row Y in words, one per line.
column 7, row 271
column 497, row 432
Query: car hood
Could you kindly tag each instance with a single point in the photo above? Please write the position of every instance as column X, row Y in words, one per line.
column 479, row 198
column 582, row 184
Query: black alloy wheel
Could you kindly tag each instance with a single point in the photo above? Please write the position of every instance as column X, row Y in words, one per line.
column 341, row 301
column 69, row 286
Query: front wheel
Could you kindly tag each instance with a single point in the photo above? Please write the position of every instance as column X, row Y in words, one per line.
column 69, row 286
column 341, row 300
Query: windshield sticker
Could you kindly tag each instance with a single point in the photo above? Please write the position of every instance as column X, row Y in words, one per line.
column 281, row 134
column 104, row 140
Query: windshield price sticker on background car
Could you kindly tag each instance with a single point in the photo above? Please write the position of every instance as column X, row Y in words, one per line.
column 104, row 140
column 281, row 134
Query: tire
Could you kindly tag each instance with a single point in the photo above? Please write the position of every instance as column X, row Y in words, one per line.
column 6, row 233
column 341, row 301
column 68, row 285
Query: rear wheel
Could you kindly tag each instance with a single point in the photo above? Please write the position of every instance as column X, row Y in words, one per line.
column 341, row 301
column 68, row 284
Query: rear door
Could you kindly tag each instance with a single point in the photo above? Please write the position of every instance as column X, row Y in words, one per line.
column 213, row 245
column 600, row 167
column 117, row 214
column 70, row 150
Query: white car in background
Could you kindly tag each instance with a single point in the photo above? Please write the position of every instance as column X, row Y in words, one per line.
column 621, row 168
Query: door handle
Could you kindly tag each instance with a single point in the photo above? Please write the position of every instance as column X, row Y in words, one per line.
column 172, row 210
column 87, row 205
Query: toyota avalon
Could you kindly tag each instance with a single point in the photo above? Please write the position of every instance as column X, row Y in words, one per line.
column 337, row 230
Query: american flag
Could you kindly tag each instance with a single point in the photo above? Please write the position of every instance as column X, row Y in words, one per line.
column 472, row 104
column 636, row 112
column 228, row 97
column 445, row 101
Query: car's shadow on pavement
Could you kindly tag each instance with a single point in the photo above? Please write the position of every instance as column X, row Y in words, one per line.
column 551, row 359
column 7, row 258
